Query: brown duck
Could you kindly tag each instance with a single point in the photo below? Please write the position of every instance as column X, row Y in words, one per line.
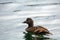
column 35, row 29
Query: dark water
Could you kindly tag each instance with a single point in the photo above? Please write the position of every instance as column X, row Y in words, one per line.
column 28, row 36
column 13, row 12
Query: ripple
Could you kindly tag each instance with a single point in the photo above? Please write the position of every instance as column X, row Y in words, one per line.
column 22, row 16
column 44, row 4
column 6, row 3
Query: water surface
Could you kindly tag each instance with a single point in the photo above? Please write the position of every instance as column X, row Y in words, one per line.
column 13, row 12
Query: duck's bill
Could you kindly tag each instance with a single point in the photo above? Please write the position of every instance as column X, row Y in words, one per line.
column 24, row 22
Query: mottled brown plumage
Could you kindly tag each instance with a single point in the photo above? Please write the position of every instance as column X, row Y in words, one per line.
column 35, row 29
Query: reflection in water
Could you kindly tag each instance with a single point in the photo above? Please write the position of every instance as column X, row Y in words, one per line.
column 28, row 36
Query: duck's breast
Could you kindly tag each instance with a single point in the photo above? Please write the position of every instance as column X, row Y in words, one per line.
column 31, row 29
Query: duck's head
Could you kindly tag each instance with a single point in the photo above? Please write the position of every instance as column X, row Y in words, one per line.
column 29, row 21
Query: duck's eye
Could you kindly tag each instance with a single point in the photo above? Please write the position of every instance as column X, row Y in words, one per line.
column 27, row 20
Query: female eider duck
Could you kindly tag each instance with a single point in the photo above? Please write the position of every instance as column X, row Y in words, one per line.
column 35, row 29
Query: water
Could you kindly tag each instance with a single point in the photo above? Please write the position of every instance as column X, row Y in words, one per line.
column 13, row 12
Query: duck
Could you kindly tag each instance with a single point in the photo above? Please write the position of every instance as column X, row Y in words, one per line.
column 35, row 29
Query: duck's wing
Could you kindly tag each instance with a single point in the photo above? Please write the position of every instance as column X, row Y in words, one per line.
column 41, row 29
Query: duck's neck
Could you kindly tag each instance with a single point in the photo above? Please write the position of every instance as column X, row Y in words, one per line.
column 30, row 25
